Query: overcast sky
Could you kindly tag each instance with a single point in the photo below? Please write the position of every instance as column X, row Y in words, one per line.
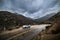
column 31, row 8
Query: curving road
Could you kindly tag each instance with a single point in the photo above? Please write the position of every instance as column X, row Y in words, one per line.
column 24, row 34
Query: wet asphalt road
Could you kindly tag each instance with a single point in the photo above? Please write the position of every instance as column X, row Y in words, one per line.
column 24, row 34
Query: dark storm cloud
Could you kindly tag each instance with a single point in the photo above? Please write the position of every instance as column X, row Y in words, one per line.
column 31, row 8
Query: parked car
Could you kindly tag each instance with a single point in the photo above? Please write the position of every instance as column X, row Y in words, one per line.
column 26, row 26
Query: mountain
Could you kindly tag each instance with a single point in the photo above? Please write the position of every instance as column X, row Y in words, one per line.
column 53, row 19
column 12, row 20
column 42, row 19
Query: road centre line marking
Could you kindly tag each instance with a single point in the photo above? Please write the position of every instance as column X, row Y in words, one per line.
column 18, row 35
